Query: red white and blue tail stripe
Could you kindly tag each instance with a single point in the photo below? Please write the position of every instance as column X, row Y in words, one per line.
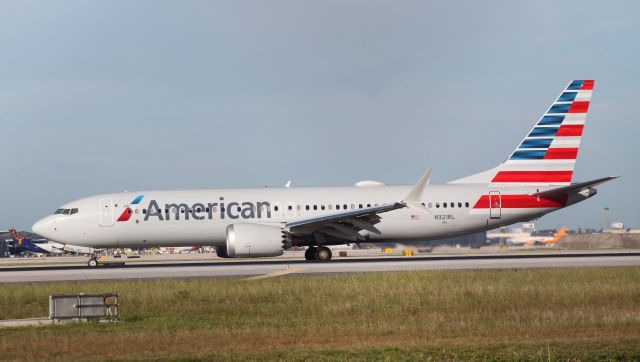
column 547, row 155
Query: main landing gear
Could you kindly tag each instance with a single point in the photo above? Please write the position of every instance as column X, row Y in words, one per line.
column 319, row 253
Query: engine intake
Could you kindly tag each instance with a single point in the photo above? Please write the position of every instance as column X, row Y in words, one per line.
column 254, row 240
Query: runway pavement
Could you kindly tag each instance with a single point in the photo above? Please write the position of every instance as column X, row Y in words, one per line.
column 279, row 267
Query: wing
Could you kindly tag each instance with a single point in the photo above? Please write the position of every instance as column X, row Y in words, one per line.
column 345, row 226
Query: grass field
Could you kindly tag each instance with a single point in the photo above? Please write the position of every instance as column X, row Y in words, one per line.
column 559, row 314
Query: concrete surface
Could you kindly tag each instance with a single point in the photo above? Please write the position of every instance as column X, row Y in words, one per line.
column 245, row 269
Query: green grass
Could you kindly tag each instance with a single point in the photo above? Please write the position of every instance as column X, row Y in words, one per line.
column 561, row 314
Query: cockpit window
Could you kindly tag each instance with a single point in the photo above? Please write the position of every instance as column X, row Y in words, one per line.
column 66, row 211
column 59, row 211
column 74, row 210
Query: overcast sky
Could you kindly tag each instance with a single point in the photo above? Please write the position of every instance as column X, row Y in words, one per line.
column 106, row 96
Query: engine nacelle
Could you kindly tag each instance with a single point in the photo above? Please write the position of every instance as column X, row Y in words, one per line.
column 246, row 240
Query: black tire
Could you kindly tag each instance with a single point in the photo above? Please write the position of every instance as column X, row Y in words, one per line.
column 92, row 263
column 221, row 251
column 323, row 254
column 310, row 253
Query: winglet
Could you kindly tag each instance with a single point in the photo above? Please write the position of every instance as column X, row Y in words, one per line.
column 414, row 198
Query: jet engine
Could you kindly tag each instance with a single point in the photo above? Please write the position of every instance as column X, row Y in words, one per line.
column 254, row 240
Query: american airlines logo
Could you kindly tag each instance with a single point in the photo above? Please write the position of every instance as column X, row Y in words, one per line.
column 201, row 211
column 126, row 214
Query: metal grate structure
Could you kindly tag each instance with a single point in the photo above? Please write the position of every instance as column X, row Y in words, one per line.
column 84, row 307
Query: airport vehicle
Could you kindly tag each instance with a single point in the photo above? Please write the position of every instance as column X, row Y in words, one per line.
column 257, row 222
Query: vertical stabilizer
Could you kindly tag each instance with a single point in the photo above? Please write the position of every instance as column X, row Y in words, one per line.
column 547, row 155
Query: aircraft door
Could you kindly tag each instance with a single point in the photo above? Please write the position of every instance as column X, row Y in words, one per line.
column 106, row 212
column 495, row 204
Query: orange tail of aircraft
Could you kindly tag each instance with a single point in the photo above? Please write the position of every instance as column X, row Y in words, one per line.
column 557, row 236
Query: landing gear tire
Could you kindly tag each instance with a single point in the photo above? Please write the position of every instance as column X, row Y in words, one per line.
column 323, row 254
column 310, row 253
column 221, row 251
column 92, row 263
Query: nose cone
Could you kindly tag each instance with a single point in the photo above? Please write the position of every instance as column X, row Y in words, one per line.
column 43, row 228
column 38, row 227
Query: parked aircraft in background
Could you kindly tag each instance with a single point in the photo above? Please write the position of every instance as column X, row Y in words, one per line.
column 179, row 250
column 534, row 180
column 524, row 236
column 19, row 244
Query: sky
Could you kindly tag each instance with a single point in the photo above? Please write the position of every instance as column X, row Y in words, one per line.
column 106, row 96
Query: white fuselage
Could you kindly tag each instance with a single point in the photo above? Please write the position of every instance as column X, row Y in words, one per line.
column 201, row 217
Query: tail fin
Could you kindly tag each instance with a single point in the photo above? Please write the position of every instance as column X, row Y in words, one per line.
column 547, row 155
column 16, row 236
column 557, row 236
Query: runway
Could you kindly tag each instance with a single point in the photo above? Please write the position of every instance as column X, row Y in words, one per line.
column 278, row 267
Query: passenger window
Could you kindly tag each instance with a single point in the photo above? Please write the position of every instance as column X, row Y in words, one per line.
column 466, row 204
column 330, row 207
column 298, row 207
column 353, row 206
column 430, row 205
column 137, row 211
column 444, row 204
column 459, row 204
column 290, row 207
column 344, row 206
column 74, row 211
column 275, row 208
column 144, row 211
column 437, row 205
column 307, row 207
column 453, row 204
column 239, row 209
column 206, row 209
column 321, row 207
column 315, row 207
column 368, row 205
column 337, row 207
column 360, row 206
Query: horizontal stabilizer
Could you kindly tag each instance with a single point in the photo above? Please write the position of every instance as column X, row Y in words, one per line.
column 574, row 188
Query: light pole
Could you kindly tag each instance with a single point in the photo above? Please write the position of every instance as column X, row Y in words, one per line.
column 605, row 219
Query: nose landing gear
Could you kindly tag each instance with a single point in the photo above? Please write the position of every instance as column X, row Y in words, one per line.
column 319, row 253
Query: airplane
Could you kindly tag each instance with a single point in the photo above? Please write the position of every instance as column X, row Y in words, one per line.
column 534, row 180
column 523, row 236
column 18, row 244
column 556, row 237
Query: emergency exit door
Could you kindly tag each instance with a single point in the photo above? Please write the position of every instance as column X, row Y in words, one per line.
column 495, row 204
